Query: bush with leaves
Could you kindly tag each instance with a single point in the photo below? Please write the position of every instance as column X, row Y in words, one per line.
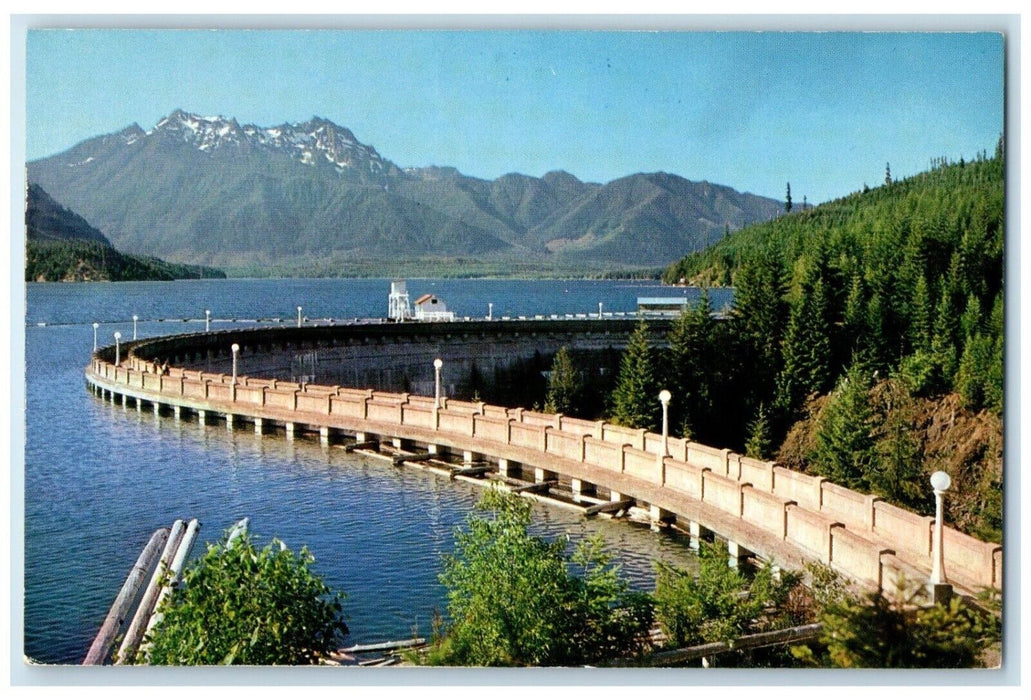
column 514, row 599
column 720, row 603
column 895, row 632
column 241, row 605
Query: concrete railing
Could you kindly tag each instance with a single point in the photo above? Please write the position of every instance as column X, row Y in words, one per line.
column 865, row 538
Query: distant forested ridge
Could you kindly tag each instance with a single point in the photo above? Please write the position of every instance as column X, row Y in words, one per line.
column 866, row 339
column 62, row 246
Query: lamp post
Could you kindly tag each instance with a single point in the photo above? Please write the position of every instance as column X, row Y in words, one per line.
column 236, row 352
column 135, row 318
column 437, row 364
column 939, row 587
column 207, row 320
column 298, row 316
column 118, row 349
column 664, row 397
column 95, row 327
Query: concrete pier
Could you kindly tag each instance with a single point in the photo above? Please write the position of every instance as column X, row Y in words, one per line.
column 694, row 530
column 540, row 474
column 660, row 517
column 509, row 468
column 736, row 554
column 580, row 488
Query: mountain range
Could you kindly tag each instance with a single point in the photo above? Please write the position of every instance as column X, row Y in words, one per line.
column 61, row 246
column 206, row 190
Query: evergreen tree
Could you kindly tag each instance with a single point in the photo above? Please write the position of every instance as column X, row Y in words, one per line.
column 854, row 325
column 844, row 448
column 806, row 347
column 944, row 339
column 970, row 321
column 564, row 384
column 896, row 474
column 760, row 443
column 787, row 200
column 690, row 372
column 921, row 321
column 635, row 400
column 973, row 377
column 887, row 174
column 759, row 313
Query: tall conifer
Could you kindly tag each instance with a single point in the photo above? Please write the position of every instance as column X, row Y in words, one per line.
column 635, row 402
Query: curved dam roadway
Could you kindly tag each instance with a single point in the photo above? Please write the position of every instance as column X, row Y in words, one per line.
column 759, row 508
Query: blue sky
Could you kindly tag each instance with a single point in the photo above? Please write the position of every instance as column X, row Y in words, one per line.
column 752, row 110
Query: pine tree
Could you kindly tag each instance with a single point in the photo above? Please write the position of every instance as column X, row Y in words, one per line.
column 564, row 384
column 844, row 447
column 787, row 200
column 887, row 174
column 806, row 347
column 635, row 401
column 759, row 313
column 944, row 339
column 690, row 372
column 760, row 444
column 897, row 474
column 920, row 325
column 970, row 321
column 975, row 370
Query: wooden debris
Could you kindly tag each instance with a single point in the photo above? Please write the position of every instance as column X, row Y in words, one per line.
column 367, row 445
column 470, row 471
column 609, row 507
column 535, row 488
column 105, row 638
column 383, row 646
column 399, row 459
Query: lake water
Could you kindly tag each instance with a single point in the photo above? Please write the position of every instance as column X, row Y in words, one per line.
column 99, row 478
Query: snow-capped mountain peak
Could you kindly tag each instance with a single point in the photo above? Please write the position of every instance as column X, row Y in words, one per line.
column 314, row 142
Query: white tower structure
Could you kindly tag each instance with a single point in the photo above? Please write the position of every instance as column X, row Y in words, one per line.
column 399, row 308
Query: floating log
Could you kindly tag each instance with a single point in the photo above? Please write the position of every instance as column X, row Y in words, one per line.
column 105, row 638
column 372, row 662
column 237, row 531
column 609, row 507
column 383, row 646
column 367, row 445
column 174, row 572
column 389, row 661
column 470, row 471
column 134, row 635
column 417, row 457
column 536, row 487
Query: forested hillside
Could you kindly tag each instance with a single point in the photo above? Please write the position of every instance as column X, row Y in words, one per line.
column 61, row 246
column 869, row 332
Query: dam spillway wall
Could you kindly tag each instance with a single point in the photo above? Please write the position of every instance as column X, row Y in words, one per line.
column 398, row 356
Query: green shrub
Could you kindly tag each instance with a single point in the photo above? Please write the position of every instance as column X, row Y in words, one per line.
column 514, row 599
column 241, row 605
